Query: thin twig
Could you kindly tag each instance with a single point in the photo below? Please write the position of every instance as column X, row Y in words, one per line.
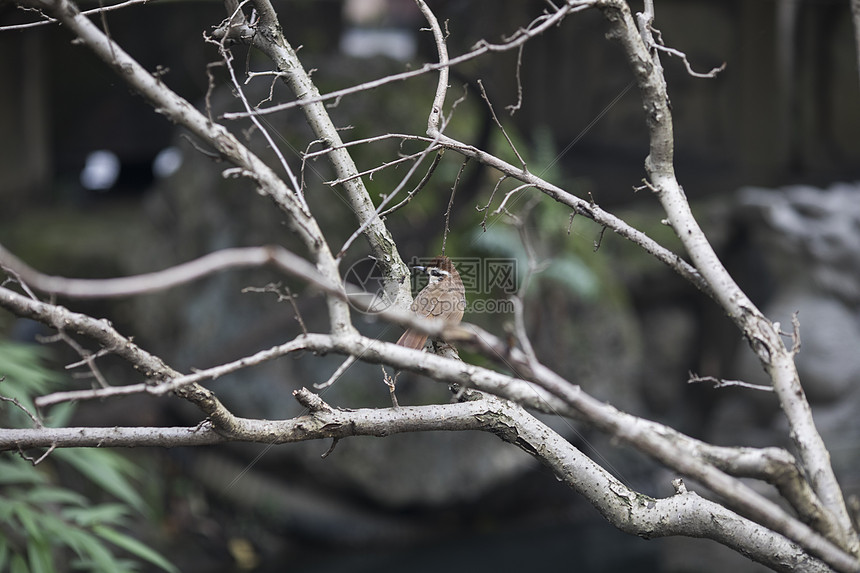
column 508, row 195
column 722, row 383
column 678, row 53
column 795, row 334
column 391, row 382
column 87, row 357
column 374, row 139
column 386, row 200
column 512, row 109
column 287, row 295
column 501, row 127
column 227, row 57
column 350, row 360
column 570, row 221
column 451, row 203
column 48, row 20
column 385, row 165
column 489, row 201
column 330, row 449
column 419, row 187
column 599, row 240
column 40, row 459
column 481, row 49
column 15, row 402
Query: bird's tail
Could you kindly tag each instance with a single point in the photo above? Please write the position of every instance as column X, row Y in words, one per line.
column 413, row 339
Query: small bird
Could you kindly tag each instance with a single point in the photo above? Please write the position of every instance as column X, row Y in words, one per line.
column 444, row 297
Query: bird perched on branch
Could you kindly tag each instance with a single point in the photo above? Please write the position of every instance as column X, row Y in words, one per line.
column 444, row 297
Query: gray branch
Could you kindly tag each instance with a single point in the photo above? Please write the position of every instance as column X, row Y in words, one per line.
column 178, row 110
column 267, row 36
column 682, row 514
column 763, row 337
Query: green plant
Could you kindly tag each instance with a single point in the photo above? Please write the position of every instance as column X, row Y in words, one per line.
column 44, row 526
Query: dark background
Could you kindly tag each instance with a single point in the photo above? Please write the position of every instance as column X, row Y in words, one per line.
column 784, row 111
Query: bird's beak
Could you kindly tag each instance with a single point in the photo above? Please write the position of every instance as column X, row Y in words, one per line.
column 419, row 268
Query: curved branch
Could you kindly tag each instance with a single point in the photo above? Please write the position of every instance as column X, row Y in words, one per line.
column 763, row 337
column 682, row 514
column 178, row 110
column 102, row 332
column 651, row 438
column 548, row 390
column 434, row 119
column 580, row 206
column 648, row 436
column 225, row 259
column 538, row 27
column 670, row 447
column 248, row 257
column 268, row 37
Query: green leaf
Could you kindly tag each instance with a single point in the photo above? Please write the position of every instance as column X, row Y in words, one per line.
column 18, row 471
column 29, row 520
column 39, row 555
column 19, row 565
column 72, row 537
column 7, row 508
column 54, row 495
column 94, row 555
column 25, row 376
column 4, row 553
column 109, row 470
column 135, row 547
column 89, row 549
column 106, row 513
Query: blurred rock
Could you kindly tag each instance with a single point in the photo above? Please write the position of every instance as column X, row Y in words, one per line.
column 809, row 242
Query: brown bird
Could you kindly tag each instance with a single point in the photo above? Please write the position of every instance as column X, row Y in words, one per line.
column 444, row 297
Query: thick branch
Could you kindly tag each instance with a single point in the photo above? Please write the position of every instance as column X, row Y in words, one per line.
column 537, row 27
column 760, row 332
column 580, row 206
column 225, row 259
column 681, row 514
column 102, row 332
column 179, row 111
column 649, row 437
column 268, row 37
column 673, row 449
column 323, row 422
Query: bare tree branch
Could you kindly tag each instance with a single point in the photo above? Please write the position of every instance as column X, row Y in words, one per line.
column 759, row 331
column 608, row 420
column 421, row 184
column 722, row 383
column 587, row 208
column 100, row 10
column 268, row 37
column 761, row 528
column 483, row 47
column 685, row 513
column 276, row 256
column 178, row 110
column 102, row 332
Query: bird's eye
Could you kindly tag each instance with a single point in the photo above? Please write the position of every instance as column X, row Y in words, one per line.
column 436, row 273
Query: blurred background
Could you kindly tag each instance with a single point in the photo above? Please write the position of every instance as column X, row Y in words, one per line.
column 93, row 183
